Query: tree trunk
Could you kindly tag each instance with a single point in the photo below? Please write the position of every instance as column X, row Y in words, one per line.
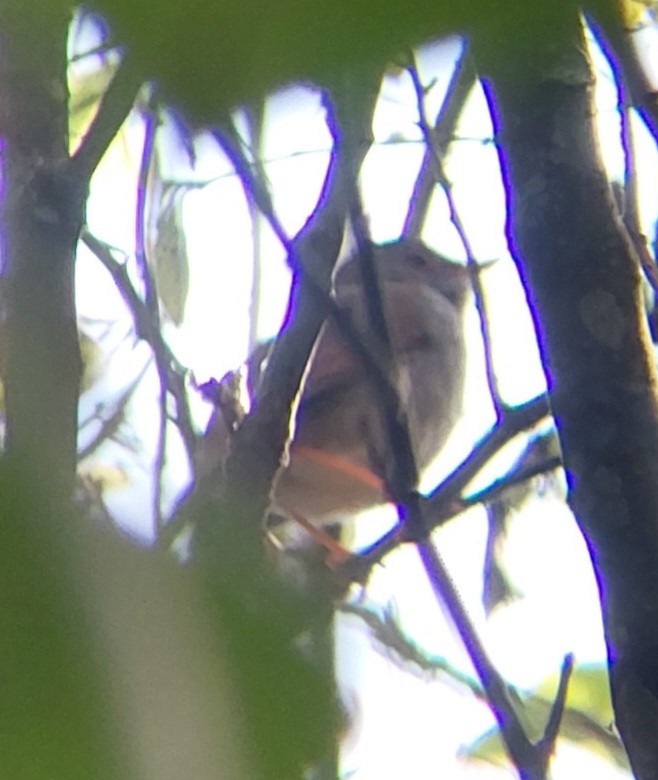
column 583, row 283
column 42, row 211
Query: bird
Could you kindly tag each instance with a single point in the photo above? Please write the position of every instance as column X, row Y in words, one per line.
column 337, row 455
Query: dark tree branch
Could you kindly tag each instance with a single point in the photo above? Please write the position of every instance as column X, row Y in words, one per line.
column 400, row 472
column 401, row 476
column 515, row 420
column 387, row 632
column 48, row 662
column 259, row 443
column 115, row 106
column 528, row 758
column 503, row 484
column 445, row 501
column 228, row 527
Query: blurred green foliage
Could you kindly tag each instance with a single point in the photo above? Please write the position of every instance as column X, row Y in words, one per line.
column 53, row 714
column 209, row 56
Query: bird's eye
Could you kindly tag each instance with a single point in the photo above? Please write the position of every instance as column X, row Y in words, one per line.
column 417, row 260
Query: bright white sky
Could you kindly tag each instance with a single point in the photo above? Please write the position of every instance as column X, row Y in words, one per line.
column 407, row 725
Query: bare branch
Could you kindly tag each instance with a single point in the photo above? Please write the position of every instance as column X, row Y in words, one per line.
column 547, row 743
column 629, row 206
column 540, row 456
column 471, row 262
column 462, row 80
column 513, row 422
column 517, row 477
column 521, row 750
column 401, row 476
column 445, row 501
column 110, row 424
column 148, row 330
column 388, row 632
column 617, row 44
column 400, row 472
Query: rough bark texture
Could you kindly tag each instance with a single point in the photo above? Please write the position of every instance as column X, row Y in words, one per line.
column 53, row 710
column 583, row 283
column 42, row 210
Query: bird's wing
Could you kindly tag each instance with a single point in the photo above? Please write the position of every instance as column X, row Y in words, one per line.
column 415, row 313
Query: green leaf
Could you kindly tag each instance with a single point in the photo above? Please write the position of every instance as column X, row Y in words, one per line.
column 167, row 249
column 587, row 719
column 87, row 87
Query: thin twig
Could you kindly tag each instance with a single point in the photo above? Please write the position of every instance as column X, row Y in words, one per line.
column 103, row 50
column 255, row 121
column 546, row 744
column 110, row 425
column 445, row 501
column 147, row 330
column 471, row 262
column 630, row 212
column 514, row 420
column 521, row 750
column 459, row 88
column 151, row 122
column 617, row 44
column 387, row 631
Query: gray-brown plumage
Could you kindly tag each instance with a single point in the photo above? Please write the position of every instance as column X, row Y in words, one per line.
column 338, row 446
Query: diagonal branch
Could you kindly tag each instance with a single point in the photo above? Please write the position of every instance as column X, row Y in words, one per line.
column 461, row 83
column 148, row 330
column 616, row 42
column 521, row 750
column 401, row 479
column 471, row 263
column 258, row 445
column 446, row 501
column 112, row 112
column 546, row 745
